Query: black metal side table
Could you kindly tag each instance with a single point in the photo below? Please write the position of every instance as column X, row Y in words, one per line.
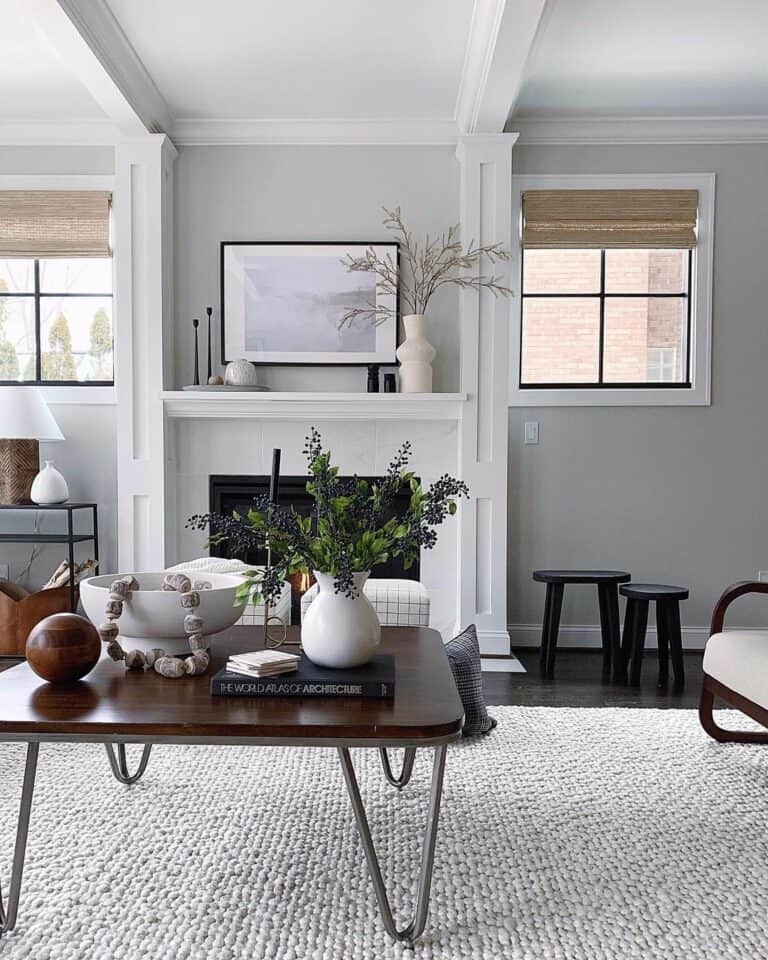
column 67, row 536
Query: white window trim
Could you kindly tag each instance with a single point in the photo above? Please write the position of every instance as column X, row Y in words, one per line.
column 77, row 181
column 701, row 305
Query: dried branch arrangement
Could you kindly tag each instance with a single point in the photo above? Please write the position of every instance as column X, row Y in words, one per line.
column 427, row 266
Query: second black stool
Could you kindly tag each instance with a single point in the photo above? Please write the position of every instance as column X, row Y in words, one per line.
column 667, row 599
column 607, row 582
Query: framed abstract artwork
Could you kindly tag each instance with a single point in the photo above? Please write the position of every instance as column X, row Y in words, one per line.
column 283, row 303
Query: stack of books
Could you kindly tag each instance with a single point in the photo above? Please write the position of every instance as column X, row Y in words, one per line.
column 263, row 663
column 261, row 675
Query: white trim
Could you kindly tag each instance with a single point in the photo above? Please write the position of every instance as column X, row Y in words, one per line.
column 483, row 33
column 80, row 395
column 589, row 636
column 436, row 131
column 89, row 133
column 203, row 405
column 581, row 130
column 509, row 664
column 75, row 181
column 701, row 307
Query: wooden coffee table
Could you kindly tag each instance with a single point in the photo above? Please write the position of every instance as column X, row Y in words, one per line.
column 117, row 708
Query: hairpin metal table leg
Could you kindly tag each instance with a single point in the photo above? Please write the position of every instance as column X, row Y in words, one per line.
column 408, row 935
column 407, row 769
column 8, row 914
column 119, row 764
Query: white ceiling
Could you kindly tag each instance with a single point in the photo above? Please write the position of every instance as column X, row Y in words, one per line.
column 35, row 85
column 301, row 59
column 648, row 58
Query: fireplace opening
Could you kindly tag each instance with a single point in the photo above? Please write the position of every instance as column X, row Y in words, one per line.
column 228, row 494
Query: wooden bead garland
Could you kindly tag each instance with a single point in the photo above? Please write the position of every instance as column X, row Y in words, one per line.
column 166, row 666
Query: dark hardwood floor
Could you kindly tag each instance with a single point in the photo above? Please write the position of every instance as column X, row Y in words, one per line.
column 578, row 683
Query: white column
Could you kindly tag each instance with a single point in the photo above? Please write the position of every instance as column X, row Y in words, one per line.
column 485, row 212
column 143, row 228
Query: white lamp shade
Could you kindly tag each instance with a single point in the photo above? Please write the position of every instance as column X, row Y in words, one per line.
column 24, row 415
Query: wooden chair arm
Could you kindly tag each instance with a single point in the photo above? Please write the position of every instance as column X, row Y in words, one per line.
column 731, row 594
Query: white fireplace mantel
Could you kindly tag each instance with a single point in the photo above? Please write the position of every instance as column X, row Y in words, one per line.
column 179, row 404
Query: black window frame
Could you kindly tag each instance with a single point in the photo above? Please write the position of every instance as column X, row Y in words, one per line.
column 600, row 383
column 37, row 295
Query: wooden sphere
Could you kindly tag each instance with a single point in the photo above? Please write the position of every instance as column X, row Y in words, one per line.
column 63, row 648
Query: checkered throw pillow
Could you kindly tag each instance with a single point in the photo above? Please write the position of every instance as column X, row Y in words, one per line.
column 464, row 654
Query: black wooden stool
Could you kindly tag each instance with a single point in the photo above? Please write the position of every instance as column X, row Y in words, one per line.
column 667, row 598
column 607, row 593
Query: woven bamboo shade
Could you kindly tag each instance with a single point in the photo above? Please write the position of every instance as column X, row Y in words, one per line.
column 579, row 219
column 54, row 223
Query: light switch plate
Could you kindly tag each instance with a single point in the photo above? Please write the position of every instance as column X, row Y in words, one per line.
column 762, row 576
column 5, row 571
column 531, row 432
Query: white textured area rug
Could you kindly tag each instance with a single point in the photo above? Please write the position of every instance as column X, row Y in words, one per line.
column 565, row 834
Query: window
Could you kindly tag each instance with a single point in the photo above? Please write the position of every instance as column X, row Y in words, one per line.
column 615, row 290
column 55, row 287
column 56, row 320
column 605, row 318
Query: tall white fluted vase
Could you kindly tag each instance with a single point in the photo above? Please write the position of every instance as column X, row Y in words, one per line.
column 340, row 631
column 415, row 354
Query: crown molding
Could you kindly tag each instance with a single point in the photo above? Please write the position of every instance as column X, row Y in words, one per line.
column 62, row 134
column 547, row 131
column 405, row 132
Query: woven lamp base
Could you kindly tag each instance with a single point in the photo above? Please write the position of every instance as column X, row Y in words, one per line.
column 19, row 465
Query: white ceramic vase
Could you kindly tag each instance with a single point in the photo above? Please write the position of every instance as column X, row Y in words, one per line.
column 49, row 486
column 340, row 631
column 415, row 354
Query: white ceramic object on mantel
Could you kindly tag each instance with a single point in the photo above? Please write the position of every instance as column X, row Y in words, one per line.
column 339, row 631
column 415, row 354
column 241, row 373
column 49, row 486
column 151, row 614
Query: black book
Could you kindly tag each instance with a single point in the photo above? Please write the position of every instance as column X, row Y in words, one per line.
column 375, row 680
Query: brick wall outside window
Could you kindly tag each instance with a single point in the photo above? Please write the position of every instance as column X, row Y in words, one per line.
column 561, row 335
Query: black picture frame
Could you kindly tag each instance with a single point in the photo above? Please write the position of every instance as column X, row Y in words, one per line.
column 341, row 246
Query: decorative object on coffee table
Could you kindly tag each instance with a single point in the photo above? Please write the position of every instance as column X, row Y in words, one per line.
column 283, row 303
column 63, row 647
column 49, row 486
column 435, row 263
column 354, row 526
column 240, row 373
column 24, row 420
column 189, row 598
column 274, row 626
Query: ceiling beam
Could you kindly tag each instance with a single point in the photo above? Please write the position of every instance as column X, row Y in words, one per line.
column 500, row 39
column 90, row 41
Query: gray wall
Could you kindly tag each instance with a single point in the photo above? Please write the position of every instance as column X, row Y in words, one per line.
column 674, row 494
column 87, row 455
column 306, row 193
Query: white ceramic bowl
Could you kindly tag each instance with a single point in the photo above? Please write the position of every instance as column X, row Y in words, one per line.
column 154, row 614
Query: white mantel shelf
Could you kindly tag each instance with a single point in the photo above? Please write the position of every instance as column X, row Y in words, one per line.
column 181, row 404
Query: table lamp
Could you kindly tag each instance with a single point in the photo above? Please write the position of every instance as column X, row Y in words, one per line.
column 24, row 420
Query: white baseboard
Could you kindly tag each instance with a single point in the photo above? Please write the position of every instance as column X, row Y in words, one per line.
column 493, row 642
column 508, row 664
column 588, row 636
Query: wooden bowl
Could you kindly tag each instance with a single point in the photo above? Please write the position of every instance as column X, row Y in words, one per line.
column 63, row 648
